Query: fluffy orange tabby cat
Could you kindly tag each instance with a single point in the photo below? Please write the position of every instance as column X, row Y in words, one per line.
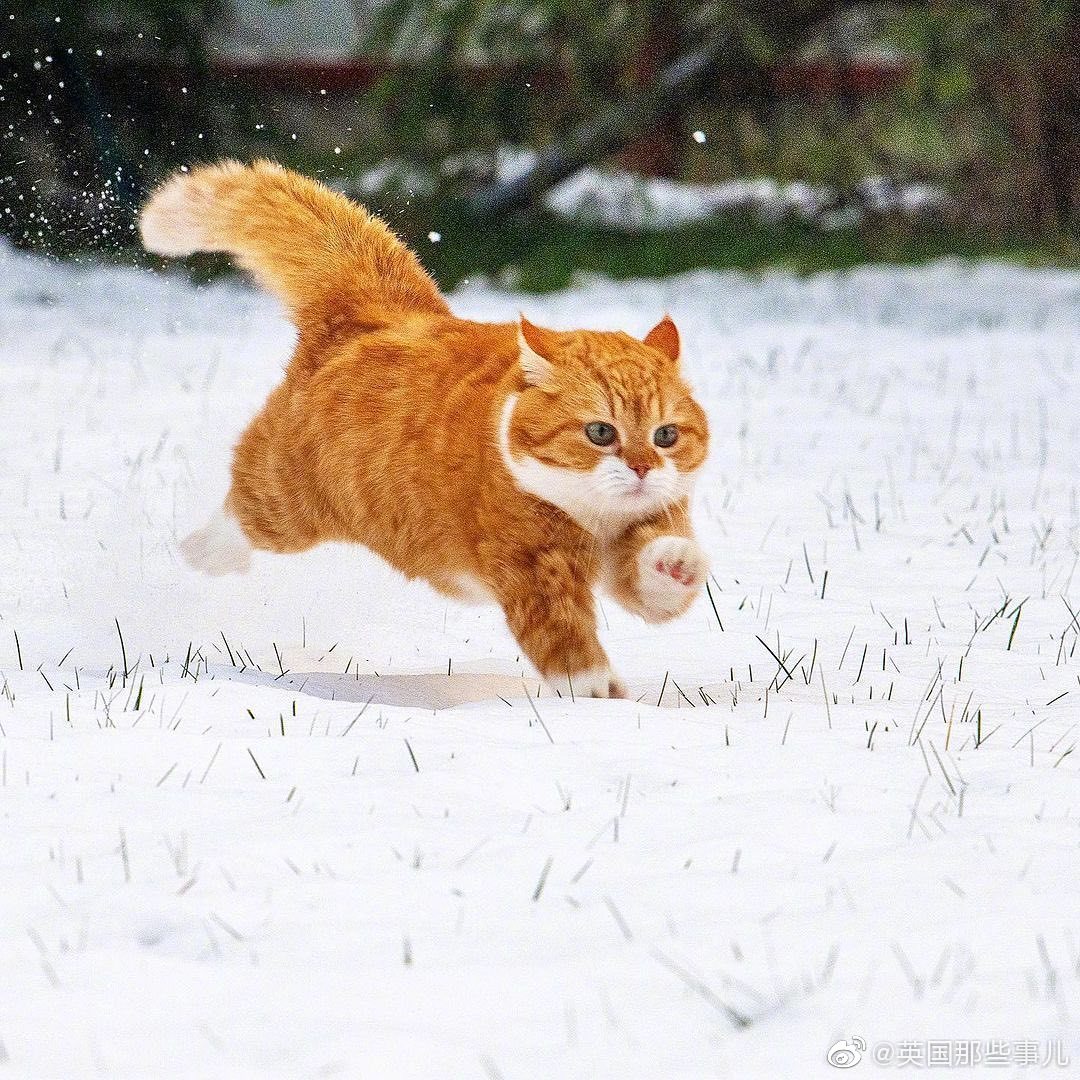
column 498, row 461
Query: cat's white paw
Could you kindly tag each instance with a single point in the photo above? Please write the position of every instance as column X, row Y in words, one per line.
column 671, row 571
column 219, row 548
column 595, row 683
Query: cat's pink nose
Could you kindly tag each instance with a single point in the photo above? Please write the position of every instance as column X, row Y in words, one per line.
column 641, row 470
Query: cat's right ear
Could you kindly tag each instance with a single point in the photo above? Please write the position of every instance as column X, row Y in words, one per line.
column 664, row 337
column 532, row 344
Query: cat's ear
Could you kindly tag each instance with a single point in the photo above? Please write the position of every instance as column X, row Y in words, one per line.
column 534, row 348
column 664, row 336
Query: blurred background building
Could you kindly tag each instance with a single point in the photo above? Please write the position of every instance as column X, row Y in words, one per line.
column 259, row 31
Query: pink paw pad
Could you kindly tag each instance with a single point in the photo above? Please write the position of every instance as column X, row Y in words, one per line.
column 677, row 570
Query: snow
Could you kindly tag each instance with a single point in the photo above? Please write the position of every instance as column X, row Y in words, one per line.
column 625, row 200
column 214, row 869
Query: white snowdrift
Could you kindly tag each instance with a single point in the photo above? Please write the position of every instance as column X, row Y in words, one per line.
column 214, row 869
column 625, row 200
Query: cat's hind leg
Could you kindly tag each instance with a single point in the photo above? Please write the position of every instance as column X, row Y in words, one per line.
column 220, row 547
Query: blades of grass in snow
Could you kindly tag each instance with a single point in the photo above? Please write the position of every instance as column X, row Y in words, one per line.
column 843, row 655
column 708, row 592
column 828, row 711
column 909, row 971
column 231, row 931
column 232, row 659
column 281, row 666
column 862, row 662
column 124, row 856
column 1034, row 727
column 536, row 712
column 663, row 687
column 616, row 914
column 682, row 695
column 123, row 650
column 794, row 667
column 581, row 872
column 1016, row 623
column 46, row 965
column 471, row 852
column 257, row 765
column 349, row 727
column 914, row 819
column 543, row 878
column 703, row 990
column 941, row 765
column 780, row 663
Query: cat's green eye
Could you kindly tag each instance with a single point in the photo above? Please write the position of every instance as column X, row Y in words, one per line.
column 600, row 433
column 665, row 436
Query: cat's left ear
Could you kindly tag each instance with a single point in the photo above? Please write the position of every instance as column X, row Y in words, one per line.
column 535, row 349
column 664, row 336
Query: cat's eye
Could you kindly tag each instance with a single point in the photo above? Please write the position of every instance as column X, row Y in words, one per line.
column 600, row 433
column 665, row 436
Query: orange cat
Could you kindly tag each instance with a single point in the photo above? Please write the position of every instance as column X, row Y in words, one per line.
column 497, row 461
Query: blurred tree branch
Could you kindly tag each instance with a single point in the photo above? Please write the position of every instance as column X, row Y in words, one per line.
column 736, row 51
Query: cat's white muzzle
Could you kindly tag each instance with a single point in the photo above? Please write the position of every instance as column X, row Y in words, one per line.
column 610, row 494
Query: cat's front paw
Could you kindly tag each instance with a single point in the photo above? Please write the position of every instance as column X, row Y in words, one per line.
column 671, row 571
column 596, row 683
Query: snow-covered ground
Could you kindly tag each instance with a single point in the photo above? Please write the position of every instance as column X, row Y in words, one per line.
column 212, row 869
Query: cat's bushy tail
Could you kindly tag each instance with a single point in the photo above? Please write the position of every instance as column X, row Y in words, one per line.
column 323, row 255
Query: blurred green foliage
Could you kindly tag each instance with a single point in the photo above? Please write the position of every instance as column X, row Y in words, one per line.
column 539, row 253
column 989, row 108
column 150, row 27
column 99, row 98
